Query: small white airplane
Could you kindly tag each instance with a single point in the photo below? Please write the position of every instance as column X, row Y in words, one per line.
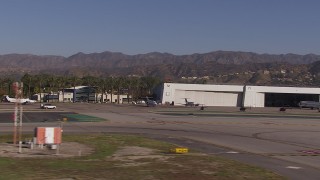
column 22, row 101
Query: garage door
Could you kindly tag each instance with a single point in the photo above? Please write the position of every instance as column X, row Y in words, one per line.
column 209, row 98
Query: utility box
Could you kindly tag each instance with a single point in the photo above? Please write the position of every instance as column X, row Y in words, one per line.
column 47, row 135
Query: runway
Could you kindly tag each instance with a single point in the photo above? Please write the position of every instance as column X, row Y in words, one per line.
column 288, row 144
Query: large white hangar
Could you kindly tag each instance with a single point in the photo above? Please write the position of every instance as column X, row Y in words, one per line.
column 236, row 95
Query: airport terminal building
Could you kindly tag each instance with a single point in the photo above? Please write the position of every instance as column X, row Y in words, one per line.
column 237, row 95
column 82, row 94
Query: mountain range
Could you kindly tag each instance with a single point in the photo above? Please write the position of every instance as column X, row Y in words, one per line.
column 164, row 65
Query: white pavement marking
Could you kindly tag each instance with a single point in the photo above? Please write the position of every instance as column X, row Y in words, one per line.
column 293, row 167
column 232, row 152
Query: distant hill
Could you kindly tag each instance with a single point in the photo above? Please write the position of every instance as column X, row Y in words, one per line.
column 119, row 60
column 219, row 64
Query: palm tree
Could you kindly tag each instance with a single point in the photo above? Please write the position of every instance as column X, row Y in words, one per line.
column 119, row 83
column 61, row 82
column 107, row 85
column 41, row 80
column 134, row 87
column 102, row 87
column 27, row 82
column 89, row 81
column 6, row 86
column 74, row 80
column 127, row 85
column 110, row 82
column 149, row 83
column 51, row 81
column 142, row 87
column 130, row 83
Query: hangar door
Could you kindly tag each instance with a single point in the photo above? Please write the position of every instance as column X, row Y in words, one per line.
column 291, row 100
column 209, row 98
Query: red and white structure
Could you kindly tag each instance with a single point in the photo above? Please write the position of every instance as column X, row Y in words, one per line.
column 48, row 135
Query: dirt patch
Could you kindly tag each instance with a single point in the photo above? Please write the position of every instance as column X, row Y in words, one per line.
column 67, row 149
column 130, row 155
column 134, row 150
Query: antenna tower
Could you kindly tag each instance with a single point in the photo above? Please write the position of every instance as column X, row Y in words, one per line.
column 17, row 116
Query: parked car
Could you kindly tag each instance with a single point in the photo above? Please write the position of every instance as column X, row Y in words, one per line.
column 48, row 106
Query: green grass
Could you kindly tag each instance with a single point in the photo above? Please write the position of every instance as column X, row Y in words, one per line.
column 83, row 118
column 99, row 164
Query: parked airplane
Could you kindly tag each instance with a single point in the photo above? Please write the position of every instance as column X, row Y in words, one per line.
column 22, row 101
column 189, row 103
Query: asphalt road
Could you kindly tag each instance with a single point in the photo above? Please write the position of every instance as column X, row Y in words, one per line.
column 287, row 143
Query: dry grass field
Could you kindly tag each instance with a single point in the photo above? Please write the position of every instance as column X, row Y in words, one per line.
column 118, row 157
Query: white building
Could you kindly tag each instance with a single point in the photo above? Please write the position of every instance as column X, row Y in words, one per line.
column 104, row 98
column 82, row 94
column 236, row 95
column 107, row 98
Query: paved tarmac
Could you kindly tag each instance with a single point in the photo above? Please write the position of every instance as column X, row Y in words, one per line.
column 287, row 142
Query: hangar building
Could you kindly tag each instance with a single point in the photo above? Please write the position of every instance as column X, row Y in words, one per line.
column 237, row 95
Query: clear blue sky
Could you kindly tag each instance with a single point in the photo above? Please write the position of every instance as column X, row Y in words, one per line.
column 65, row 27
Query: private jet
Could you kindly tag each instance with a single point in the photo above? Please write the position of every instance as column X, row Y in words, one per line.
column 22, row 101
column 189, row 103
column 150, row 103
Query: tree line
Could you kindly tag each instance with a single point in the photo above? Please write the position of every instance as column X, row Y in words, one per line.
column 45, row 83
